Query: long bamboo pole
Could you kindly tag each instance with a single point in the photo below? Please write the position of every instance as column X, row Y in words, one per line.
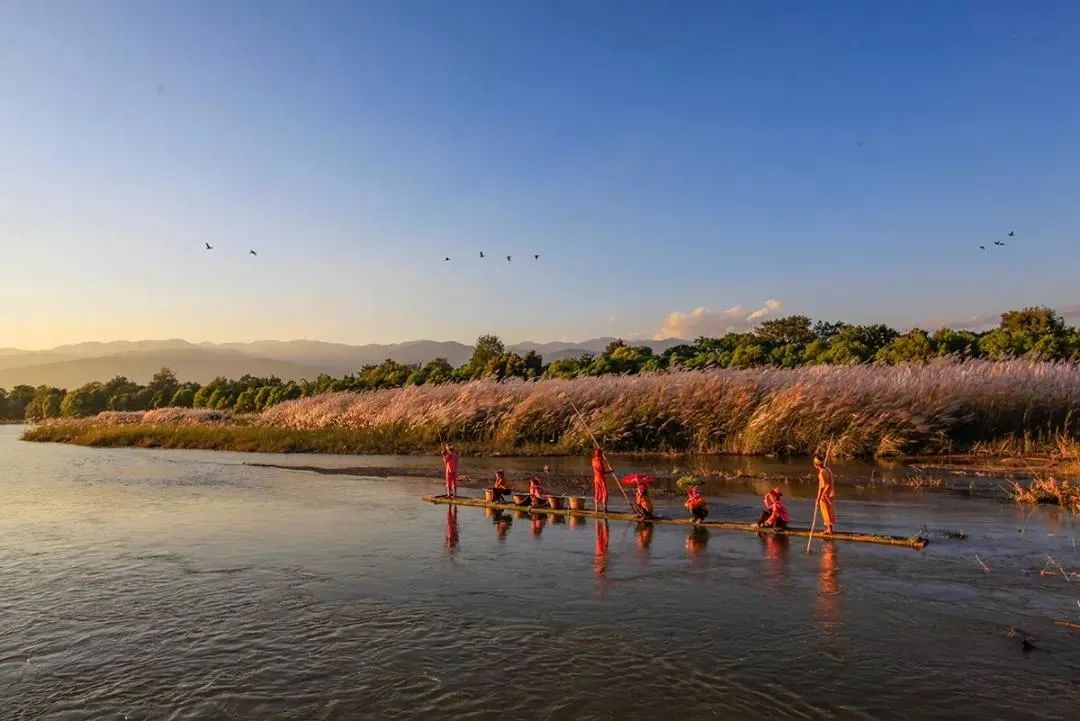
column 596, row 443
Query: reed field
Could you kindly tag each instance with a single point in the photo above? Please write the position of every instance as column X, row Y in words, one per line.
column 860, row 411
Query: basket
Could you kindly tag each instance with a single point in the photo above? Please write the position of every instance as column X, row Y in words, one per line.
column 555, row 502
column 576, row 503
column 489, row 494
column 521, row 499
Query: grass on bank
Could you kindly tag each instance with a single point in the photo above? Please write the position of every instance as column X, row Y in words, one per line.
column 858, row 411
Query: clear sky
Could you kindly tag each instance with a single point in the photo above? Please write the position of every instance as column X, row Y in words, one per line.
column 679, row 166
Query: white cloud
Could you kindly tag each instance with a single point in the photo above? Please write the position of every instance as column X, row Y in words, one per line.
column 707, row 322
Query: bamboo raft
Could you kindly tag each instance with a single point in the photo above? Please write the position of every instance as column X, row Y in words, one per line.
column 917, row 542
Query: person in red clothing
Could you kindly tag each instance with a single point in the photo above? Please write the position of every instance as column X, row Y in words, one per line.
column 536, row 491
column 599, row 480
column 696, row 504
column 775, row 514
column 450, row 464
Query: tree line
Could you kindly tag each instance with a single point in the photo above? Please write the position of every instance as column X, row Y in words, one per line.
column 784, row 342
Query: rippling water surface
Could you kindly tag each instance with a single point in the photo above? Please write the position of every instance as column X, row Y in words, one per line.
column 185, row 585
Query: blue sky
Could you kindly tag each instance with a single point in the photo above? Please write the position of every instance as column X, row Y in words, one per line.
column 842, row 159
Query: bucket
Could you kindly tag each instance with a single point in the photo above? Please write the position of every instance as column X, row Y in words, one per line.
column 577, row 503
column 556, row 502
column 521, row 499
column 489, row 495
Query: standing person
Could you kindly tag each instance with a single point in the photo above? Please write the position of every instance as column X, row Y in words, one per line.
column 826, row 493
column 599, row 479
column 450, row 465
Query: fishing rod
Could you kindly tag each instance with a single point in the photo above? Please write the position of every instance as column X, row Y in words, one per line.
column 817, row 498
column 603, row 456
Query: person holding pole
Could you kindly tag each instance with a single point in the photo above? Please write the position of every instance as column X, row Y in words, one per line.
column 450, row 466
column 826, row 493
column 599, row 479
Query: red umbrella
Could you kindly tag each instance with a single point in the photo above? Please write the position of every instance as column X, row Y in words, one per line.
column 637, row 479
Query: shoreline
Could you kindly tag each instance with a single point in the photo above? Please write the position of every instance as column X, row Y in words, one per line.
column 252, row 438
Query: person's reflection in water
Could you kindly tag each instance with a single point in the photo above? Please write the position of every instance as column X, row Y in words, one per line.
column 644, row 535
column 502, row 523
column 600, row 557
column 538, row 521
column 776, row 548
column 829, row 590
column 696, row 541
column 451, row 529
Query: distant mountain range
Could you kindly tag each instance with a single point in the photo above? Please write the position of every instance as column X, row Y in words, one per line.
column 70, row 366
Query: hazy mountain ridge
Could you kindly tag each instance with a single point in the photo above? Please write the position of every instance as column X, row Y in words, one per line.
column 70, row 366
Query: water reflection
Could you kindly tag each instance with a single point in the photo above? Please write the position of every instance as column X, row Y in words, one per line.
column 539, row 520
column 829, row 590
column 451, row 528
column 644, row 535
column 502, row 521
column 696, row 541
column 776, row 551
column 600, row 552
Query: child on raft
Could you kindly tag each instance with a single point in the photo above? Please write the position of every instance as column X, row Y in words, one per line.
column 500, row 489
column 536, row 491
column 696, row 504
column 642, row 503
column 775, row 514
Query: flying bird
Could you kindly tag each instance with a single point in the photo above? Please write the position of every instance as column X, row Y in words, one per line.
column 536, row 256
column 160, row 89
column 481, row 254
column 508, row 259
column 208, row 246
column 999, row 242
column 1012, row 233
column 446, row 259
column 982, row 247
column 253, row 253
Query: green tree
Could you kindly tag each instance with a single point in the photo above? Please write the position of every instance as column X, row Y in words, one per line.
column 183, row 398
column 1034, row 321
column 245, row 402
column 912, row 347
column 487, row 347
column 87, row 400
column 782, row 331
column 45, row 403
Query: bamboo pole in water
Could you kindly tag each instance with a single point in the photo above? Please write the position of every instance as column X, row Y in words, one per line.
column 596, row 443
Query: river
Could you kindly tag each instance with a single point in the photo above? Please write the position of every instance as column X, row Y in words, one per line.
column 144, row 584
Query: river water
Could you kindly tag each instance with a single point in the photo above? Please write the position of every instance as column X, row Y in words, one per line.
column 145, row 584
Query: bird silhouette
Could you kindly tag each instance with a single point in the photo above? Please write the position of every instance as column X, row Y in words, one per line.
column 253, row 253
column 481, row 254
column 445, row 260
column 160, row 89
column 999, row 242
column 1012, row 233
column 208, row 246
column 536, row 256
column 508, row 259
column 982, row 247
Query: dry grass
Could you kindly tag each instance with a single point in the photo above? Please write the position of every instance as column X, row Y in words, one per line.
column 863, row 410
column 867, row 411
column 1048, row 491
